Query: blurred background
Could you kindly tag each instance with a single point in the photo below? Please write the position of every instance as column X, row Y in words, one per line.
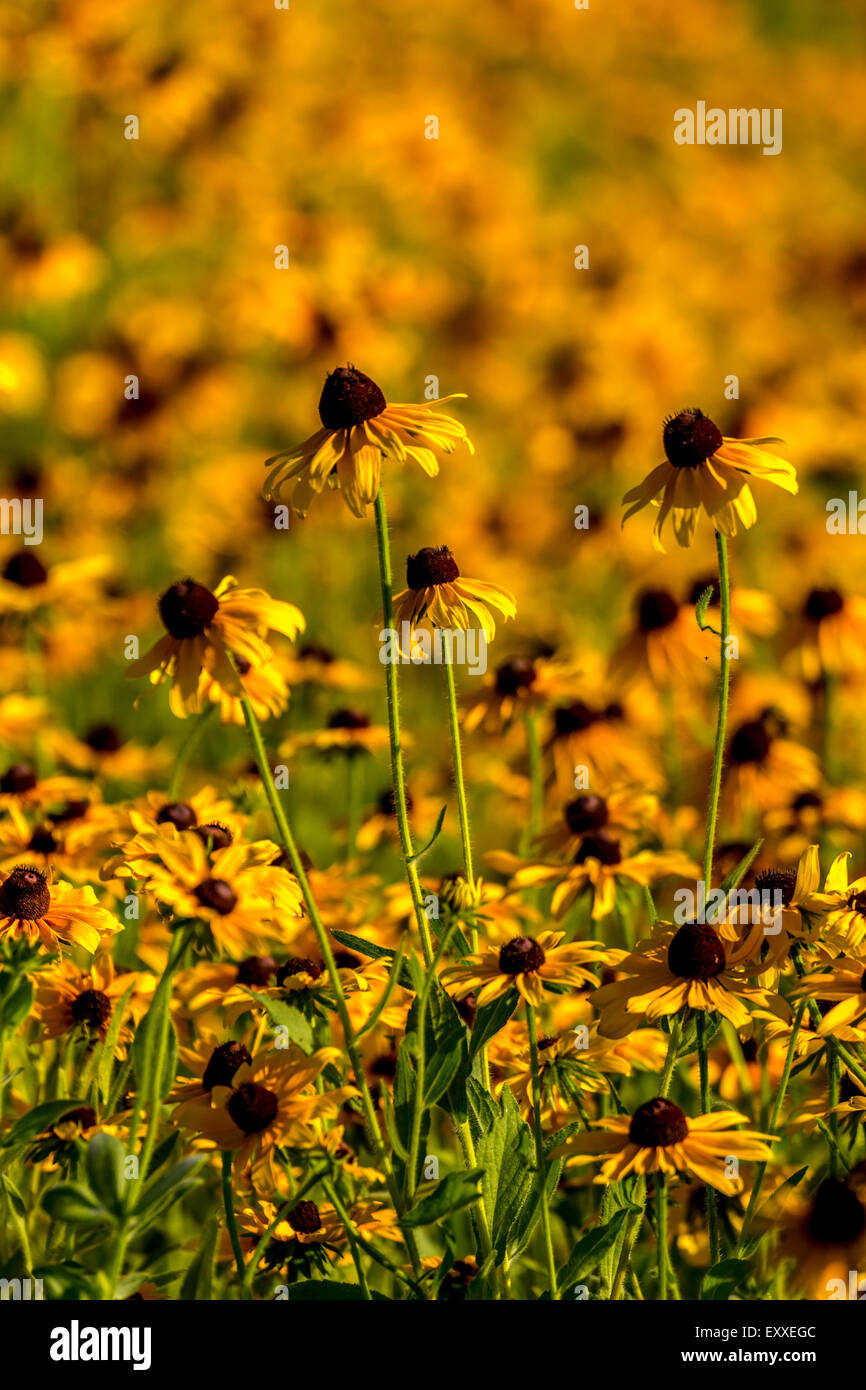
column 411, row 257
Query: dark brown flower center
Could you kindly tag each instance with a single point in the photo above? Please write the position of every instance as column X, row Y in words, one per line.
column 42, row 841
column 25, row 570
column 305, row 1218
column 349, row 719
column 315, row 651
column 253, row 1107
column 92, row 1008
column 782, row 881
column 20, row 777
column 515, row 675
column 256, row 971
column 214, row 836
column 837, row 1216
column 349, row 398
column 224, row 1061
column 822, row 603
column 690, row 438
column 696, row 953
column 178, row 814
column 857, row 902
column 574, row 718
column 656, row 1123
column 656, row 608
column 700, row 586
column 216, row 894
column 586, row 813
column 84, row 1116
column 600, row 845
column 187, row 609
column 519, row 955
column 750, row 743
column 432, row 565
column 807, row 801
column 298, row 965
column 103, row 738
column 24, row 895
column 73, row 810
column 467, row 1009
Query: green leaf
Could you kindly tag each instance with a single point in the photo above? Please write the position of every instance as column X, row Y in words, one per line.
column 490, row 1018
column 17, row 1005
column 285, row 1015
column 370, row 948
column 483, row 1109
column 40, row 1118
column 452, row 1193
column 720, row 1281
column 106, row 1057
column 198, row 1281
column 420, row 853
column 146, row 1044
column 505, row 1152
column 736, row 876
column 444, row 1043
column 701, row 607
column 161, row 1192
column 66, row 1201
column 103, row 1163
column 591, row 1249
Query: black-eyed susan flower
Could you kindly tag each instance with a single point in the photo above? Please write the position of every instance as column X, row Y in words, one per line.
column 347, row 730
column 665, row 642
column 271, row 1100
column 359, row 429
column 69, row 1000
column 597, row 865
column 690, row 967
column 704, row 471
column 571, row 1066
column 824, row 1235
column 437, row 596
column 660, row 1138
column 528, row 964
column 841, row 908
column 764, row 769
column 51, row 913
column 621, row 811
column 844, row 985
column 243, row 901
column 205, row 630
column 522, row 684
column 828, row 635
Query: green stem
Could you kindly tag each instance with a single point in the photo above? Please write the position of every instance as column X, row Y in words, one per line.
column 352, row 1236
column 662, row 1233
column 633, row 1225
column 398, row 775
column 457, row 752
column 287, row 841
column 774, row 1121
column 671, row 1058
column 712, row 1213
column 540, row 1163
column 724, row 693
column 231, row 1219
column 536, row 789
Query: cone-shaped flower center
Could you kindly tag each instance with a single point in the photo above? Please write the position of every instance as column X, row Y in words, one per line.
column 349, row 398
column 515, row 675
column 187, row 609
column 656, row 1123
column 432, row 565
column 256, row 971
column 822, row 603
column 520, row 954
column 214, row 836
column 349, row 719
column 656, row 608
column 25, row 570
column 600, row 845
column 574, row 718
column 91, row 1007
column 782, row 881
column 216, row 894
column 178, row 814
column 24, row 895
column 225, row 1060
column 103, row 738
column 20, row 777
column 696, row 953
column 586, row 813
column 253, row 1107
column 42, row 841
column 298, row 965
column 751, row 743
column 305, row 1218
column 690, row 438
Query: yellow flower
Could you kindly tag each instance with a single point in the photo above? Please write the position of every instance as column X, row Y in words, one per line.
column 846, row 982
column 359, row 429
column 659, row 1138
column 598, row 864
column 205, row 630
column 527, row 964
column 52, row 913
column 438, row 596
column 706, row 470
column 68, row 999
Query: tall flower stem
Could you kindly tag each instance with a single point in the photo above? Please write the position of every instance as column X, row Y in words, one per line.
column 459, row 785
column 724, row 695
column 540, row 1164
column 662, row 1232
column 187, row 748
column 671, row 1058
column 287, row 841
column 774, row 1121
column 398, row 775
column 231, row 1219
column 712, row 1213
